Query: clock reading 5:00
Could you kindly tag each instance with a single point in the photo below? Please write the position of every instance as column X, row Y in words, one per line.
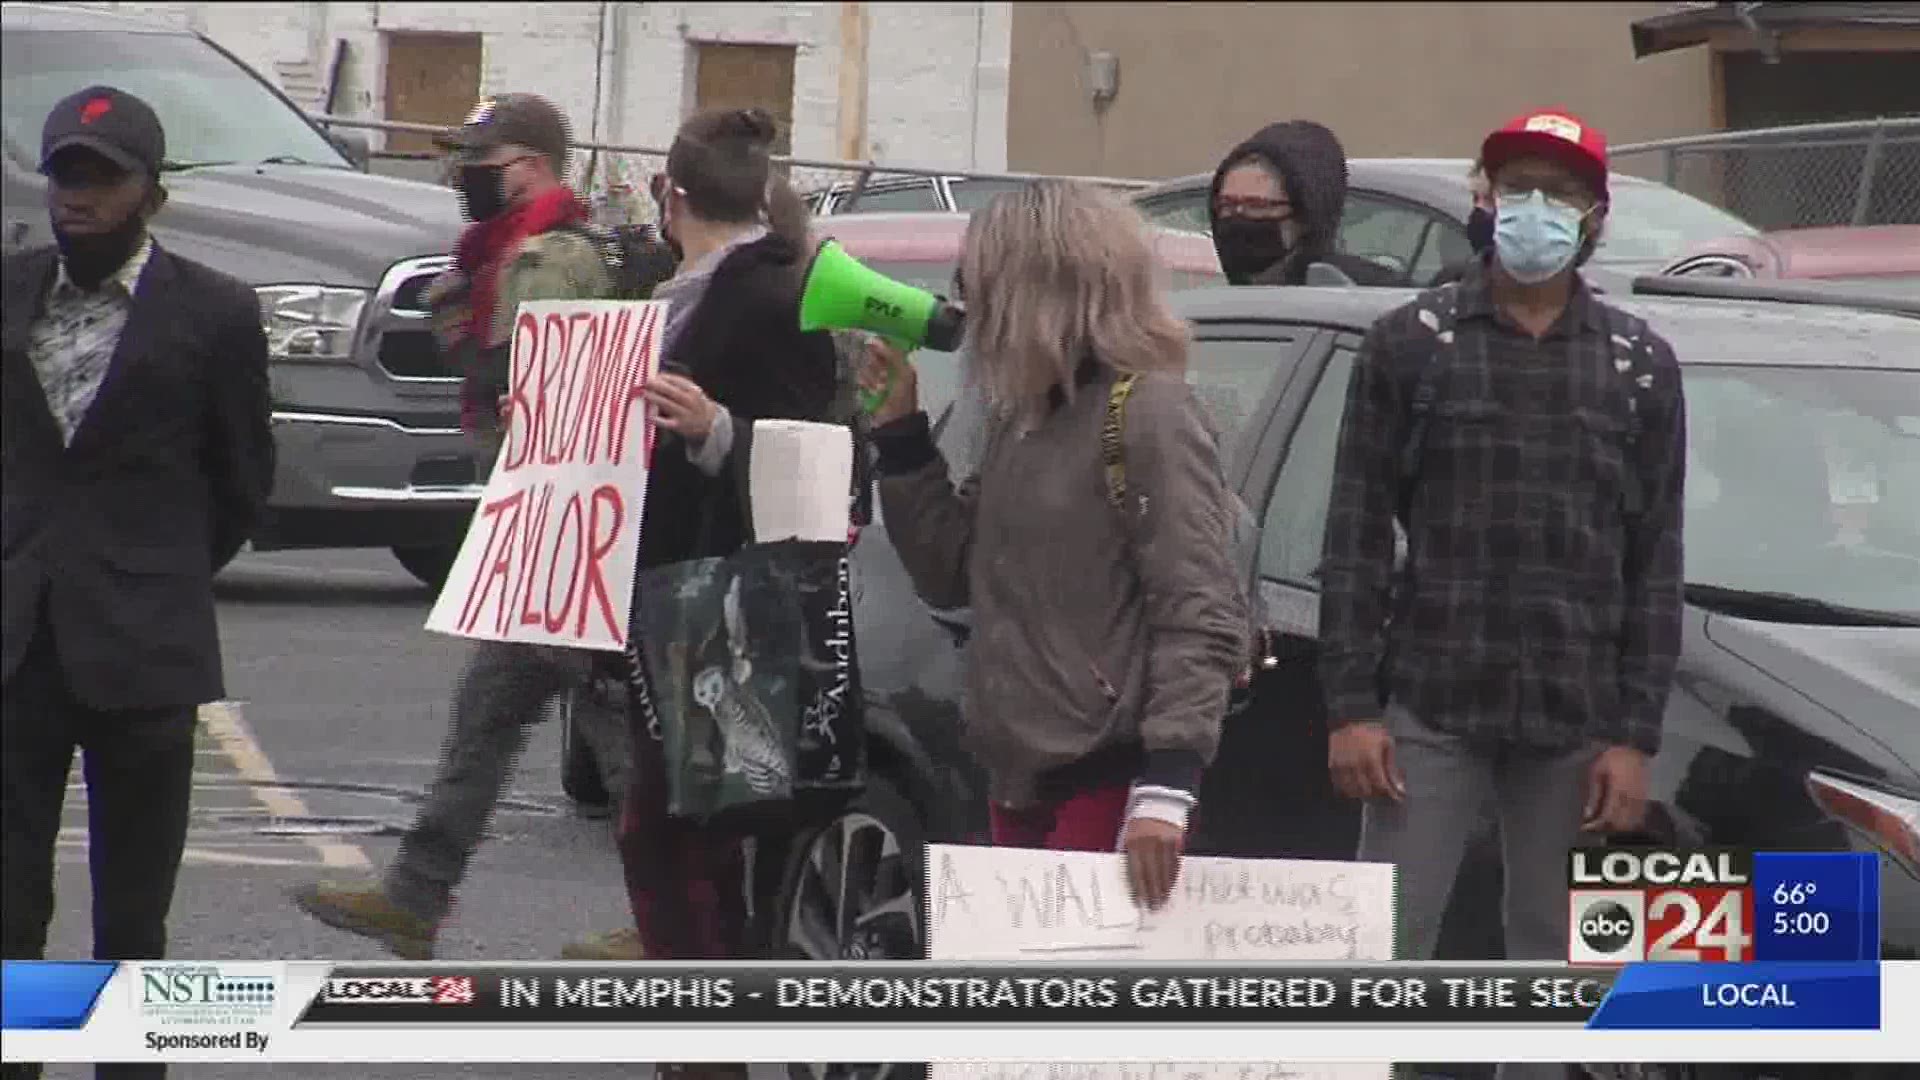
column 1802, row 923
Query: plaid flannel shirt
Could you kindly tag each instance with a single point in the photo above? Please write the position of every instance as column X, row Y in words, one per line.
column 1534, row 609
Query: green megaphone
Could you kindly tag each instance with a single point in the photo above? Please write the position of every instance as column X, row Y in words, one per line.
column 841, row 294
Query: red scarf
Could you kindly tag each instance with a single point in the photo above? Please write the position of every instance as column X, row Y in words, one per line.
column 484, row 246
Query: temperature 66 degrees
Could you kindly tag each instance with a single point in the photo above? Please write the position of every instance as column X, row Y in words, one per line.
column 1794, row 894
column 1801, row 923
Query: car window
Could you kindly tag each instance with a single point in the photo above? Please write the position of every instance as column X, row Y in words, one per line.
column 1183, row 210
column 904, row 198
column 1231, row 374
column 213, row 109
column 1295, row 522
column 1649, row 222
column 1383, row 231
column 1445, row 246
column 1803, row 481
column 971, row 195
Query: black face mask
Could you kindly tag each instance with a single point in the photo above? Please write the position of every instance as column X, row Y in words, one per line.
column 1480, row 230
column 92, row 258
column 483, row 191
column 1248, row 247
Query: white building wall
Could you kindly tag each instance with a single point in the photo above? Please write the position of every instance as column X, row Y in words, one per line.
column 937, row 73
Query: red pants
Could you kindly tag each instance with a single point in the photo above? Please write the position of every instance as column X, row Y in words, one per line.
column 684, row 879
column 1087, row 821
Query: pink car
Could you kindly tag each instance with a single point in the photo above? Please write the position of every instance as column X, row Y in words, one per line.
column 1859, row 254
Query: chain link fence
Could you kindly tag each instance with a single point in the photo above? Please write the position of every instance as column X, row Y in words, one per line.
column 614, row 178
column 1854, row 173
column 1857, row 173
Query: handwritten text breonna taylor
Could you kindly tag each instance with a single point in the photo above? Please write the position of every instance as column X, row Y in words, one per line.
column 549, row 557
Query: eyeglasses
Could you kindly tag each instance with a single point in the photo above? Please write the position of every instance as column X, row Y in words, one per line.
column 1566, row 194
column 1252, row 206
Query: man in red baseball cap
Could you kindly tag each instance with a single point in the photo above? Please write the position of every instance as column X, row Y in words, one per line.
column 1548, row 172
column 1536, row 437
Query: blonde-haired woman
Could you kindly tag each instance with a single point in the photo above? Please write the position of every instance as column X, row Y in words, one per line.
column 1092, row 543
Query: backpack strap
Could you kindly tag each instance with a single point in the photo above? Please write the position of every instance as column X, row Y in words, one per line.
column 1111, row 439
column 1632, row 346
column 1445, row 312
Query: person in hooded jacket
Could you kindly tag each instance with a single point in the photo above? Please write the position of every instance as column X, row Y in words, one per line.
column 1275, row 208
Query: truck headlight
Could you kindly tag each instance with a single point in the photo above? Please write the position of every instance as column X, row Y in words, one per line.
column 310, row 322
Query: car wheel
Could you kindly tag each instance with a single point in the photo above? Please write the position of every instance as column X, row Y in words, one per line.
column 580, row 775
column 852, row 891
column 429, row 565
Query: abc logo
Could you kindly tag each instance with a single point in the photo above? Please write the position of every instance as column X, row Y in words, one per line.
column 1606, row 927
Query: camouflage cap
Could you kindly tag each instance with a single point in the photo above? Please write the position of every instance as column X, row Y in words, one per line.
column 527, row 120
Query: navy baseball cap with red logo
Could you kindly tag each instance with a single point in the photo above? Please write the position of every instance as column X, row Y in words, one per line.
column 1556, row 135
column 110, row 122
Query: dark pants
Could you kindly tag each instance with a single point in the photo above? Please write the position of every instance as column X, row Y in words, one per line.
column 505, row 688
column 686, row 881
column 138, row 765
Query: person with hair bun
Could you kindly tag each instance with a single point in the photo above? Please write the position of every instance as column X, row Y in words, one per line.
column 732, row 352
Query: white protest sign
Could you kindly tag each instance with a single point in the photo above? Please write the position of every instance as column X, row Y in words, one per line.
column 799, row 478
column 549, row 558
column 987, row 903
column 1017, row 904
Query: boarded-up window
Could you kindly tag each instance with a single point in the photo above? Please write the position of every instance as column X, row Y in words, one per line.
column 728, row 76
column 430, row 79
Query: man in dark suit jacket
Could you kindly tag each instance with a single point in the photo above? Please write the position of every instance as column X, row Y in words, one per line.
column 137, row 454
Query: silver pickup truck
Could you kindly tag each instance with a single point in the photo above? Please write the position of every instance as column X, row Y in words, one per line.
column 365, row 413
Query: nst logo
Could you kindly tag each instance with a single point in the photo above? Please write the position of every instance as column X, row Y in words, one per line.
column 184, row 993
column 171, row 986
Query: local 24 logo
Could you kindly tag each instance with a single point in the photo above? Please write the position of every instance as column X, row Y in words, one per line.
column 1632, row 904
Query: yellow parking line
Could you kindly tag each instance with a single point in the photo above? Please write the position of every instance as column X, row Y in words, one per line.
column 225, row 724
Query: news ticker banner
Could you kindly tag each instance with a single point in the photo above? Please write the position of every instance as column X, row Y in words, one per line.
column 310, row 1011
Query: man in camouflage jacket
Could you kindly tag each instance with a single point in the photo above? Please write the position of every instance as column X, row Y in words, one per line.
column 528, row 242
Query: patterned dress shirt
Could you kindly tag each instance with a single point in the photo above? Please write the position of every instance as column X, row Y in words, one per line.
column 73, row 341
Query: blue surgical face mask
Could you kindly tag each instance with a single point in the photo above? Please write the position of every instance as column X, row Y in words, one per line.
column 1534, row 237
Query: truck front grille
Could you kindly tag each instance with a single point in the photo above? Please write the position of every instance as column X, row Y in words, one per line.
column 401, row 338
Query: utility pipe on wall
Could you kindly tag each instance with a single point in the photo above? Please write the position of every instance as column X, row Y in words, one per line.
column 852, row 127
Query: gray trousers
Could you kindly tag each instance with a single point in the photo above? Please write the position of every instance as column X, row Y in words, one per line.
column 502, row 692
column 1451, row 783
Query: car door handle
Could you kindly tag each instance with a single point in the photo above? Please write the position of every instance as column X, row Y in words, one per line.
column 16, row 232
column 957, row 623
